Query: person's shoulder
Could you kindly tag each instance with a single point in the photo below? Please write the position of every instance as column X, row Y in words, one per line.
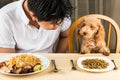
column 66, row 21
column 8, row 10
column 65, row 24
column 5, row 23
column 5, row 20
column 3, row 16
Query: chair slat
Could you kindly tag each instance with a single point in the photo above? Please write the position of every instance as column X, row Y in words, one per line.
column 109, row 33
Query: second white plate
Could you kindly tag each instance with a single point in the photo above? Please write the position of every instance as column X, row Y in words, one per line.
column 109, row 67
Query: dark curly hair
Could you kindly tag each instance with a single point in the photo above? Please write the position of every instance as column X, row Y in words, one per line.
column 50, row 10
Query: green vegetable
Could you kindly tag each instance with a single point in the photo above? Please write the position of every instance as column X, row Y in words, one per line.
column 37, row 68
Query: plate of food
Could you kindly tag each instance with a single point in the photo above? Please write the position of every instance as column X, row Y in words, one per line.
column 95, row 64
column 23, row 64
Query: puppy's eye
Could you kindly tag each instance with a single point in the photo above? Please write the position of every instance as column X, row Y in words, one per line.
column 83, row 25
column 91, row 26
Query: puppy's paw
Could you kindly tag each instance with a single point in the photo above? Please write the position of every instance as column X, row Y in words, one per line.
column 82, row 52
column 106, row 53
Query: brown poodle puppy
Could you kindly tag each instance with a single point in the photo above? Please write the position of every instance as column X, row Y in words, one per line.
column 93, row 35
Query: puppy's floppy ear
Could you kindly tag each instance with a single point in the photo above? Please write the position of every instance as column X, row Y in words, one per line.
column 81, row 24
column 100, row 35
column 78, row 36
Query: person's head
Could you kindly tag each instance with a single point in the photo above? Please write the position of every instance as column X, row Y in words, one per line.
column 49, row 13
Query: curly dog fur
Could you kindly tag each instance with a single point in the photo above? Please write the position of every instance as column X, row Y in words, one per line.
column 93, row 35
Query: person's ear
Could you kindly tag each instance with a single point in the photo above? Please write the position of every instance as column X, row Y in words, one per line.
column 33, row 17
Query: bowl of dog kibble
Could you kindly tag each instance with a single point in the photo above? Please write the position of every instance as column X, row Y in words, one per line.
column 95, row 64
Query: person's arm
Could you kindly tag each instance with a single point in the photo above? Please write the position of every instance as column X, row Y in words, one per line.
column 63, row 42
column 7, row 50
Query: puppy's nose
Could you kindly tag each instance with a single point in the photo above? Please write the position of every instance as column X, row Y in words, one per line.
column 84, row 33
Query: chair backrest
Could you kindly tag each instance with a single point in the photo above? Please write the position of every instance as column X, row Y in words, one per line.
column 74, row 32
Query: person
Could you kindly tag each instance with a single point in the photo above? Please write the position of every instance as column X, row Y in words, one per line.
column 34, row 26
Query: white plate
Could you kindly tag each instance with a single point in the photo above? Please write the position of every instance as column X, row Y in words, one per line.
column 109, row 67
column 45, row 61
